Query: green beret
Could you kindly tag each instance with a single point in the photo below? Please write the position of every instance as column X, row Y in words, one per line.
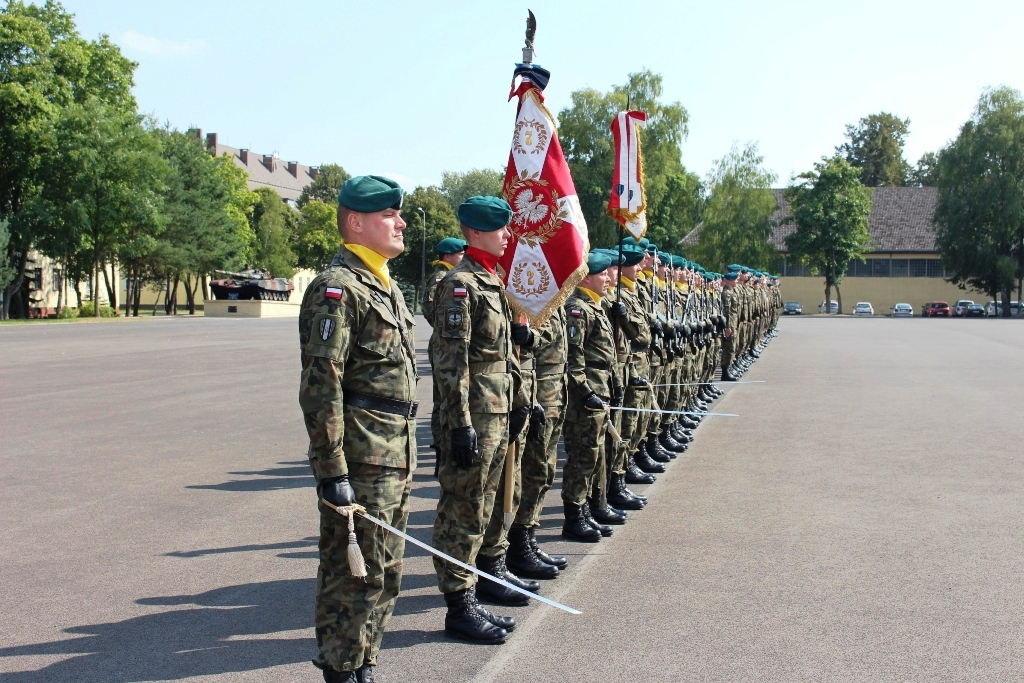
column 679, row 262
column 734, row 268
column 370, row 193
column 598, row 262
column 486, row 214
column 652, row 248
column 632, row 255
column 612, row 254
column 628, row 241
column 731, row 275
column 451, row 245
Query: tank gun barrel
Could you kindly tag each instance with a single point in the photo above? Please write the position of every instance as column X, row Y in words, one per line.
column 230, row 273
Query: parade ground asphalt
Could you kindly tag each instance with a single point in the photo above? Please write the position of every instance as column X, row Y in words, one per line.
column 861, row 520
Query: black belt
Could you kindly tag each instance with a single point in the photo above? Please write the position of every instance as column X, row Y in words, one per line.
column 381, row 403
column 599, row 366
column 638, row 348
column 544, row 369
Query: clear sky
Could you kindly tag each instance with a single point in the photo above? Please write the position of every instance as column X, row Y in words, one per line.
column 411, row 89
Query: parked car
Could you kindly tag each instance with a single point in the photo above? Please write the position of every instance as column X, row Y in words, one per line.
column 834, row 307
column 934, row 309
column 792, row 308
column 995, row 309
column 863, row 308
column 974, row 311
column 961, row 307
column 903, row 311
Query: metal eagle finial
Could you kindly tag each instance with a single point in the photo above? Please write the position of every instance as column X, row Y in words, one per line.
column 531, row 31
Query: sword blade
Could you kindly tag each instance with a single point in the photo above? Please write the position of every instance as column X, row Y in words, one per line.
column 693, row 384
column 674, row 412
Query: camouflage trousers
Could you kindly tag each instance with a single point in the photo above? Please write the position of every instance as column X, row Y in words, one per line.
column 539, row 463
column 673, row 376
column 467, row 500
column 495, row 540
column 634, row 425
column 352, row 613
column 615, row 454
column 584, row 433
column 728, row 351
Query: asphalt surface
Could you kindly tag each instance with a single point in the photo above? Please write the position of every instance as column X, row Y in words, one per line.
column 861, row 519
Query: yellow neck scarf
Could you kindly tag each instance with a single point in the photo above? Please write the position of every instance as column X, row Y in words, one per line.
column 443, row 264
column 377, row 264
column 629, row 283
column 592, row 294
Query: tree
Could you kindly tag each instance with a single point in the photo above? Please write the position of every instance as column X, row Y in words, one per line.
column 318, row 239
column 584, row 129
column 6, row 271
column 979, row 216
column 830, row 208
column 240, row 205
column 441, row 222
column 275, row 224
column 325, row 186
column 737, row 218
column 875, row 148
column 457, row 187
column 926, row 173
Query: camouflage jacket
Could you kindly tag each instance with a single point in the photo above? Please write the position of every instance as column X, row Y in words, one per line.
column 471, row 346
column 592, row 357
column 550, row 351
column 636, row 325
column 430, row 289
column 355, row 336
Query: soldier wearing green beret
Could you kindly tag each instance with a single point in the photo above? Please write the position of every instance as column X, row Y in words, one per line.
column 475, row 370
column 357, row 390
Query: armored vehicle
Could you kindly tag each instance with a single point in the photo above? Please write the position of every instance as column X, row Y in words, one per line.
column 251, row 284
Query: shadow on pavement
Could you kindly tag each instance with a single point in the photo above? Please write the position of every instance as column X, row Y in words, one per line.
column 309, row 541
column 219, row 631
column 295, row 475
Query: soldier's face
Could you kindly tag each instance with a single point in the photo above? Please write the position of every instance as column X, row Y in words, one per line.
column 455, row 258
column 631, row 271
column 597, row 282
column 381, row 231
column 491, row 242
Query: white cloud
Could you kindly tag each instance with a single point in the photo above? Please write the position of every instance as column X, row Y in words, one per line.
column 160, row 47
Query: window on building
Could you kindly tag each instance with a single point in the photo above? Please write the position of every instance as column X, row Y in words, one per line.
column 58, row 279
column 935, row 268
column 879, row 267
column 900, row 267
column 918, row 267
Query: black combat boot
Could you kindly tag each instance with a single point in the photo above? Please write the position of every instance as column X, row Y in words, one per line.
column 606, row 515
column 463, row 621
column 521, row 558
column 332, row 676
column 642, row 499
column 495, row 592
column 556, row 560
column 603, row 529
column 576, row 527
column 507, row 623
column 687, row 421
column 644, row 462
column 618, row 496
column 657, row 452
column 669, row 443
column 634, row 475
column 365, row 674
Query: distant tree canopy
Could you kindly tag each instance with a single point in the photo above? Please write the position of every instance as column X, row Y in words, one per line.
column 457, row 187
column 926, row 173
column 441, row 222
column 325, row 186
column 737, row 217
column 875, row 147
column 673, row 194
column 980, row 210
column 274, row 223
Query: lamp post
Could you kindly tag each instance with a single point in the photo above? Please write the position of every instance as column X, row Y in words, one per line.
column 423, row 253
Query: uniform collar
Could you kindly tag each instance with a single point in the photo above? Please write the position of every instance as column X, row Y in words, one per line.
column 374, row 262
column 442, row 264
column 485, row 259
column 629, row 283
column 591, row 294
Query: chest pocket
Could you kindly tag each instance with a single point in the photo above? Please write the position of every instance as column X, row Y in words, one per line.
column 490, row 317
column 379, row 338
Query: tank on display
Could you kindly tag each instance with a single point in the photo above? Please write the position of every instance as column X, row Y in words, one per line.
column 251, row 284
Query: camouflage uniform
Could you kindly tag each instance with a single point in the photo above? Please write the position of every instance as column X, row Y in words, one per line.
column 356, row 342
column 540, row 452
column 591, row 360
column 637, row 330
column 472, row 357
column 441, row 269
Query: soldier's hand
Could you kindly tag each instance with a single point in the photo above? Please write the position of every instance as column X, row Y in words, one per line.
column 593, row 402
column 617, row 395
column 618, row 309
column 464, row 451
column 658, row 328
column 521, row 334
column 537, row 418
column 516, row 421
column 338, row 491
column 639, row 383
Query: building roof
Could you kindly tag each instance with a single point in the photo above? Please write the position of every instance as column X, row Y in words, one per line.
column 900, row 220
column 267, row 170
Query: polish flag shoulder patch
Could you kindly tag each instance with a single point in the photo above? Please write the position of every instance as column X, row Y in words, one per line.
column 575, row 312
column 333, row 293
column 459, row 291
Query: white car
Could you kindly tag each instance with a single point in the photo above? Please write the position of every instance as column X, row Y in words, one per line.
column 903, row 311
column 863, row 308
column 834, row 307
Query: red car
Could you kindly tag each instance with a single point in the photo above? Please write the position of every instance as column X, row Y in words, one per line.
column 934, row 309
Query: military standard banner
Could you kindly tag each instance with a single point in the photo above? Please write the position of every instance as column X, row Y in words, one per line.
column 628, row 203
column 546, row 261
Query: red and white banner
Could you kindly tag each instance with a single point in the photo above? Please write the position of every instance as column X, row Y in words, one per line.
column 545, row 262
column 627, row 203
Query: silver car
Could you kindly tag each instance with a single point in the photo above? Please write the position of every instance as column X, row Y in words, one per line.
column 903, row 311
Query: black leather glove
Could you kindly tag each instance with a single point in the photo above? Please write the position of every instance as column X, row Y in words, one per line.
column 617, row 395
column 618, row 309
column 521, row 334
column 464, row 451
column 639, row 382
column 516, row 421
column 658, row 328
column 338, row 491
column 593, row 402
column 537, row 417
column 670, row 331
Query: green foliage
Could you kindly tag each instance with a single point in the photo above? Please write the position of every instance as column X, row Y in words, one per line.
column 980, row 210
column 737, row 218
column 584, row 129
column 317, row 240
column 458, row 187
column 830, row 208
column 440, row 221
column 240, row 203
column 274, row 224
column 875, row 147
column 926, row 173
column 88, row 310
column 6, row 269
column 325, row 186
column 68, row 313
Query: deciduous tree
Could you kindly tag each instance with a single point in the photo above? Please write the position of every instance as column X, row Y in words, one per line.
column 457, row 186
column 275, row 224
column 325, row 186
column 875, row 147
